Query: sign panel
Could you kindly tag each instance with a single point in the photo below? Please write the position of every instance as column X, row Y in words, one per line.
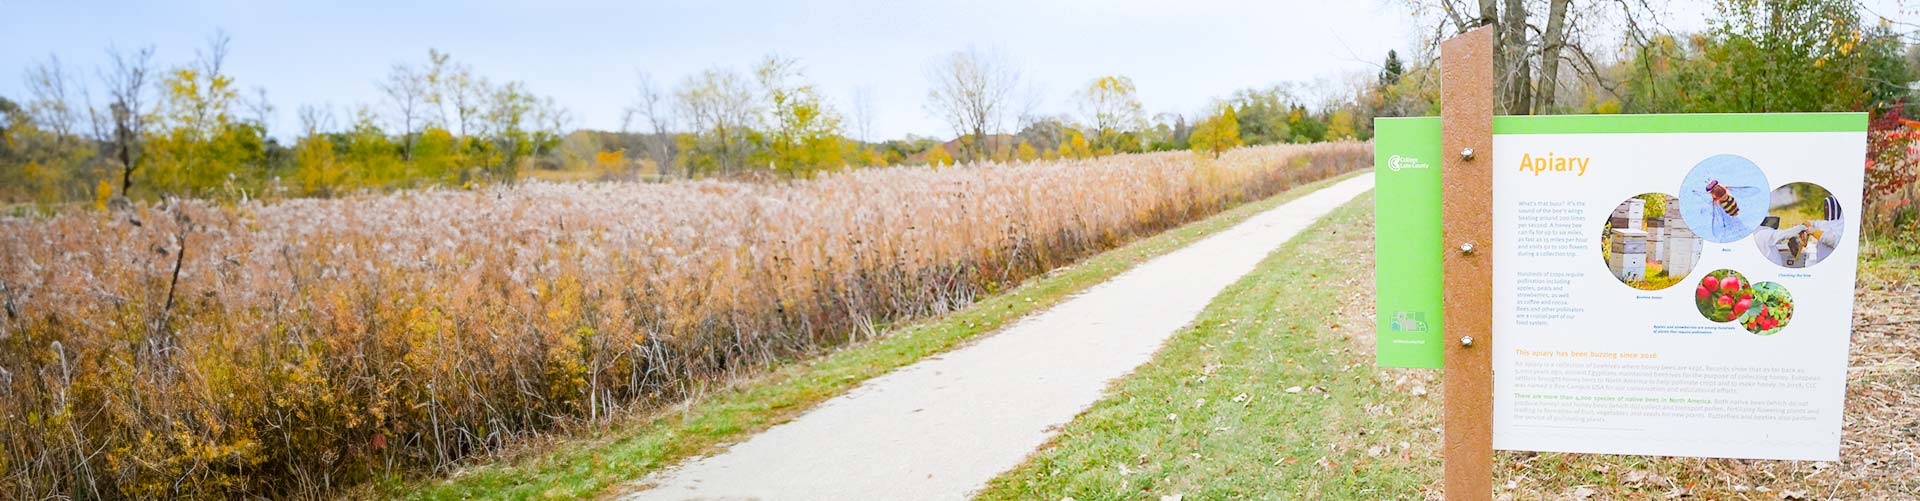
column 1674, row 284
column 1406, row 205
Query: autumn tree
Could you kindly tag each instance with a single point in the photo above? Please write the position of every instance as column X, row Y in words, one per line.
column 1217, row 133
column 803, row 133
column 1110, row 107
column 1076, row 146
column 203, row 148
column 1026, row 153
column 938, row 156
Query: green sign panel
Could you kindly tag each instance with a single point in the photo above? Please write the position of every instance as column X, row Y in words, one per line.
column 1406, row 198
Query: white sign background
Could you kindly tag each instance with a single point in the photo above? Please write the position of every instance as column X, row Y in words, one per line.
column 1620, row 319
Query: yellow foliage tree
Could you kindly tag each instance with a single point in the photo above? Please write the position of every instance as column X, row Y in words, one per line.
column 611, row 160
column 938, row 157
column 436, row 158
column 1026, row 152
column 102, row 193
column 804, row 136
column 1341, row 125
column 1217, row 133
column 1076, row 146
column 316, row 170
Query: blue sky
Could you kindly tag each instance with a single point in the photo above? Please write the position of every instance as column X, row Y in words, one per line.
column 585, row 54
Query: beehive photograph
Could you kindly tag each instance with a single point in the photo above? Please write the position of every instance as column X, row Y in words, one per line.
column 1646, row 245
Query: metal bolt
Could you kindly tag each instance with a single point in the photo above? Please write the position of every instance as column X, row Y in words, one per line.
column 1466, row 153
column 1466, row 247
column 1466, row 340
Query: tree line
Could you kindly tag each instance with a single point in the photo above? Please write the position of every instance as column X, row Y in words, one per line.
column 1753, row 56
column 191, row 129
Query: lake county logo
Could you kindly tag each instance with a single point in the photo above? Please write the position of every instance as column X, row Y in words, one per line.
column 1397, row 162
column 1409, row 321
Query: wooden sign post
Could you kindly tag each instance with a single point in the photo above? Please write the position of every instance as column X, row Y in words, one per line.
column 1466, row 118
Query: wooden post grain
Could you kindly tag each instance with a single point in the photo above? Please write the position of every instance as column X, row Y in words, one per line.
column 1466, row 123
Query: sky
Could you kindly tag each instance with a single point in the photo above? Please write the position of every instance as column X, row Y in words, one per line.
column 586, row 54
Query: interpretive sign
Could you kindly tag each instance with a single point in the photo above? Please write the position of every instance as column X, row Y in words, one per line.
column 1663, row 284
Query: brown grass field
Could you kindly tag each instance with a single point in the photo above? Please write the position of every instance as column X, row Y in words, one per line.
column 294, row 347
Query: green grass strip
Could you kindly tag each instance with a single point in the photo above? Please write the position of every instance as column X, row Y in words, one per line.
column 1259, row 398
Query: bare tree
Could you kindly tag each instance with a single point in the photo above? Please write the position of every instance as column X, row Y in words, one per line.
column 863, row 111
column 972, row 91
column 261, row 108
column 1552, row 41
column 453, row 92
column 466, row 93
column 407, row 93
column 1521, row 44
column 650, row 106
column 52, row 106
column 126, row 84
column 718, row 105
column 215, row 58
column 315, row 119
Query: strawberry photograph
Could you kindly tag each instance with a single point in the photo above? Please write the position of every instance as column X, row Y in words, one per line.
column 1769, row 309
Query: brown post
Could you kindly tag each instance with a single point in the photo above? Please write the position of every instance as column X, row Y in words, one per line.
column 1466, row 125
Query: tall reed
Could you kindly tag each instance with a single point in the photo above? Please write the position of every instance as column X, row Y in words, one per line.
column 291, row 348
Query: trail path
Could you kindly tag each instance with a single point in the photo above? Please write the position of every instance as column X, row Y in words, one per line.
column 942, row 427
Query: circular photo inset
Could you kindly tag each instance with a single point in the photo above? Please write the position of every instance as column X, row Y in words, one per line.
column 1646, row 244
column 1724, row 198
column 1769, row 309
column 1802, row 226
column 1723, row 295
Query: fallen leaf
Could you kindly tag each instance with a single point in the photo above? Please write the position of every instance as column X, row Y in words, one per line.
column 1583, row 492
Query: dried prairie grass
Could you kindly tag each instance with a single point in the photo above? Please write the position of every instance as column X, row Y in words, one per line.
column 295, row 347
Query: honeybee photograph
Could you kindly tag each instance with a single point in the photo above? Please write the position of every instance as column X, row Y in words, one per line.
column 1724, row 198
column 1802, row 226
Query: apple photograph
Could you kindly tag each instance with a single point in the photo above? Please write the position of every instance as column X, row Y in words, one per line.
column 1646, row 244
column 1802, row 226
column 1723, row 296
column 1724, row 198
